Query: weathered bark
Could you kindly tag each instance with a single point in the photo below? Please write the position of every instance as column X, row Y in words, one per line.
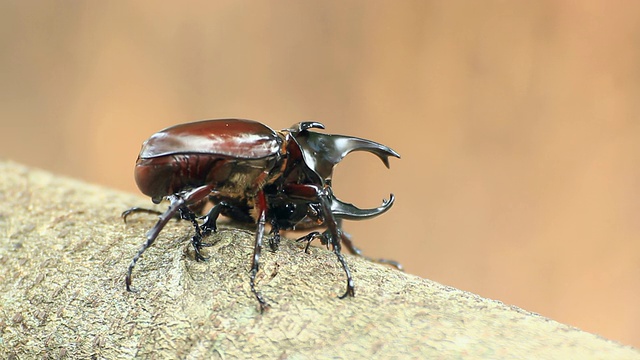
column 64, row 251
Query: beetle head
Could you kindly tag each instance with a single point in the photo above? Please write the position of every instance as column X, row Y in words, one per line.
column 322, row 152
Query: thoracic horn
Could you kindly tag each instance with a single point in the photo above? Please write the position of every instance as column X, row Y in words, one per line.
column 322, row 152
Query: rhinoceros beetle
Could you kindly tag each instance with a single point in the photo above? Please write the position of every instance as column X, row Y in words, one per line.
column 252, row 174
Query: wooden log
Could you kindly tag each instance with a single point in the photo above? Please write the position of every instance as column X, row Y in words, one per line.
column 64, row 251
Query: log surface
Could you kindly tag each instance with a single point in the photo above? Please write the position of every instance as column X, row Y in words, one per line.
column 64, row 250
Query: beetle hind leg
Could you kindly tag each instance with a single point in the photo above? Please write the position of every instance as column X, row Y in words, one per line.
column 257, row 249
column 125, row 214
column 176, row 204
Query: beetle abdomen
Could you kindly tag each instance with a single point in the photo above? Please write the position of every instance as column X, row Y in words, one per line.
column 161, row 176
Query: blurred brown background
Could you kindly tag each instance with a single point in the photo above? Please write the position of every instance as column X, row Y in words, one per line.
column 517, row 122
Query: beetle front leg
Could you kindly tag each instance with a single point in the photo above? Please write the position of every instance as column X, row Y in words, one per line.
column 333, row 233
column 335, row 243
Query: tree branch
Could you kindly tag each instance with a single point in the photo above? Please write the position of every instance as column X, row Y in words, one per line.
column 65, row 250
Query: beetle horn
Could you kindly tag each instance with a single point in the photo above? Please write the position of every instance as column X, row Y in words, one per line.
column 343, row 210
column 347, row 144
column 322, row 152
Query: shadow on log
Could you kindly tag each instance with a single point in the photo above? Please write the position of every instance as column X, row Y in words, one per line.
column 64, row 252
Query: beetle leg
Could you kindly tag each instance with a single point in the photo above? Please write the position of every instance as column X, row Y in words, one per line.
column 134, row 209
column 325, row 196
column 196, row 240
column 348, row 243
column 333, row 230
column 325, row 199
column 177, row 202
column 309, row 238
column 342, row 210
column 210, row 220
column 261, row 207
column 274, row 240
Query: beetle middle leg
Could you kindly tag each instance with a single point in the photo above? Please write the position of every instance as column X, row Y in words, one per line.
column 196, row 240
column 210, row 220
